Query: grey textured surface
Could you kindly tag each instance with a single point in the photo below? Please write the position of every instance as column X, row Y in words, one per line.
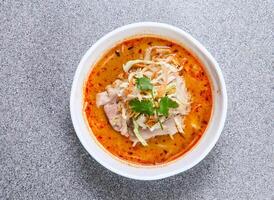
column 41, row 44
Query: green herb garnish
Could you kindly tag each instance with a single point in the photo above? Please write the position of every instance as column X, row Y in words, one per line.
column 165, row 104
column 144, row 84
column 149, row 107
column 143, row 106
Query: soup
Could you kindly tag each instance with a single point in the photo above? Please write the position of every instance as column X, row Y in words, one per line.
column 164, row 99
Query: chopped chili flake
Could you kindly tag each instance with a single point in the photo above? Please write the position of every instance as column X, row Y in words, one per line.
column 117, row 53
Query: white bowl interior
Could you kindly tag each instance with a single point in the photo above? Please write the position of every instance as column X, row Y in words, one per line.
column 204, row 145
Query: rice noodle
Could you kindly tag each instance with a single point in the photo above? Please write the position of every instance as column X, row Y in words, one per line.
column 149, row 50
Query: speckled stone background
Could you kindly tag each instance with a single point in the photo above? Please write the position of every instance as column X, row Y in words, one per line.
column 41, row 44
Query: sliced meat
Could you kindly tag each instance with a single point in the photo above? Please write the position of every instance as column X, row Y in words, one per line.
column 102, row 99
column 112, row 92
column 115, row 118
column 123, row 129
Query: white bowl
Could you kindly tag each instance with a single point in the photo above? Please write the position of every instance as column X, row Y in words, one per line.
column 204, row 145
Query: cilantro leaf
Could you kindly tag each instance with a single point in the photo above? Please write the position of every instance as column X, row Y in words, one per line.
column 165, row 104
column 143, row 106
column 144, row 83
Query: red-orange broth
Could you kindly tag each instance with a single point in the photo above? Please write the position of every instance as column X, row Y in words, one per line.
column 160, row 149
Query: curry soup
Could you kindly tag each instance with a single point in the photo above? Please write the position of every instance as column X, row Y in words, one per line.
column 160, row 149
